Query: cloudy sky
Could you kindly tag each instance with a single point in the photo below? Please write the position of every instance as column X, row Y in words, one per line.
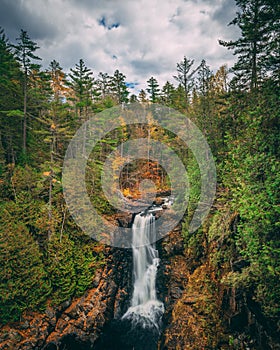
column 141, row 38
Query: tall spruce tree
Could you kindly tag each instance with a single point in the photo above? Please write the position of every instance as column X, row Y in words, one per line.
column 81, row 82
column 168, row 94
column 25, row 54
column 118, row 87
column 10, row 100
column 103, row 85
column 204, row 75
column 273, row 57
column 185, row 76
column 203, row 101
column 252, row 47
column 153, row 89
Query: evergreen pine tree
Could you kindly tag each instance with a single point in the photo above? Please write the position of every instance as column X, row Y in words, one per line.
column 119, row 88
column 168, row 94
column 251, row 48
column 185, row 76
column 153, row 89
column 81, row 82
column 103, row 85
column 10, row 100
column 25, row 54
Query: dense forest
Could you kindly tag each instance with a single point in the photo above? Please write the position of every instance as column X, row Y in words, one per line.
column 45, row 257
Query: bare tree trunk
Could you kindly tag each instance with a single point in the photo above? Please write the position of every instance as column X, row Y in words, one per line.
column 254, row 77
column 24, row 112
column 50, row 229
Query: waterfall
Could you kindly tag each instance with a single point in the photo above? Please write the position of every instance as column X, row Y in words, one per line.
column 145, row 309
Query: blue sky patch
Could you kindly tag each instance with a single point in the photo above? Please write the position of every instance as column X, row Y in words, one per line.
column 104, row 23
column 131, row 85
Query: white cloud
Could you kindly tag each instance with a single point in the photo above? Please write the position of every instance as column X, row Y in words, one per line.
column 140, row 38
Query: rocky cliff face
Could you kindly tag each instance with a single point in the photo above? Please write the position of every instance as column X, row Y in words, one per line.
column 200, row 312
column 78, row 322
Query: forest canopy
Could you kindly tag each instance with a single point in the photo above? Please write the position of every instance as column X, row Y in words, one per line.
column 44, row 255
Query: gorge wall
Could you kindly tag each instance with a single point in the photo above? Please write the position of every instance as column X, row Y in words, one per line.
column 200, row 312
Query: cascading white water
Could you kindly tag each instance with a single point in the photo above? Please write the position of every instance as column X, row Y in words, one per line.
column 145, row 309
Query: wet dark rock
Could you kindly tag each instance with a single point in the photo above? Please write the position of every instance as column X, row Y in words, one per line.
column 125, row 220
column 77, row 324
column 93, row 321
column 121, row 335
